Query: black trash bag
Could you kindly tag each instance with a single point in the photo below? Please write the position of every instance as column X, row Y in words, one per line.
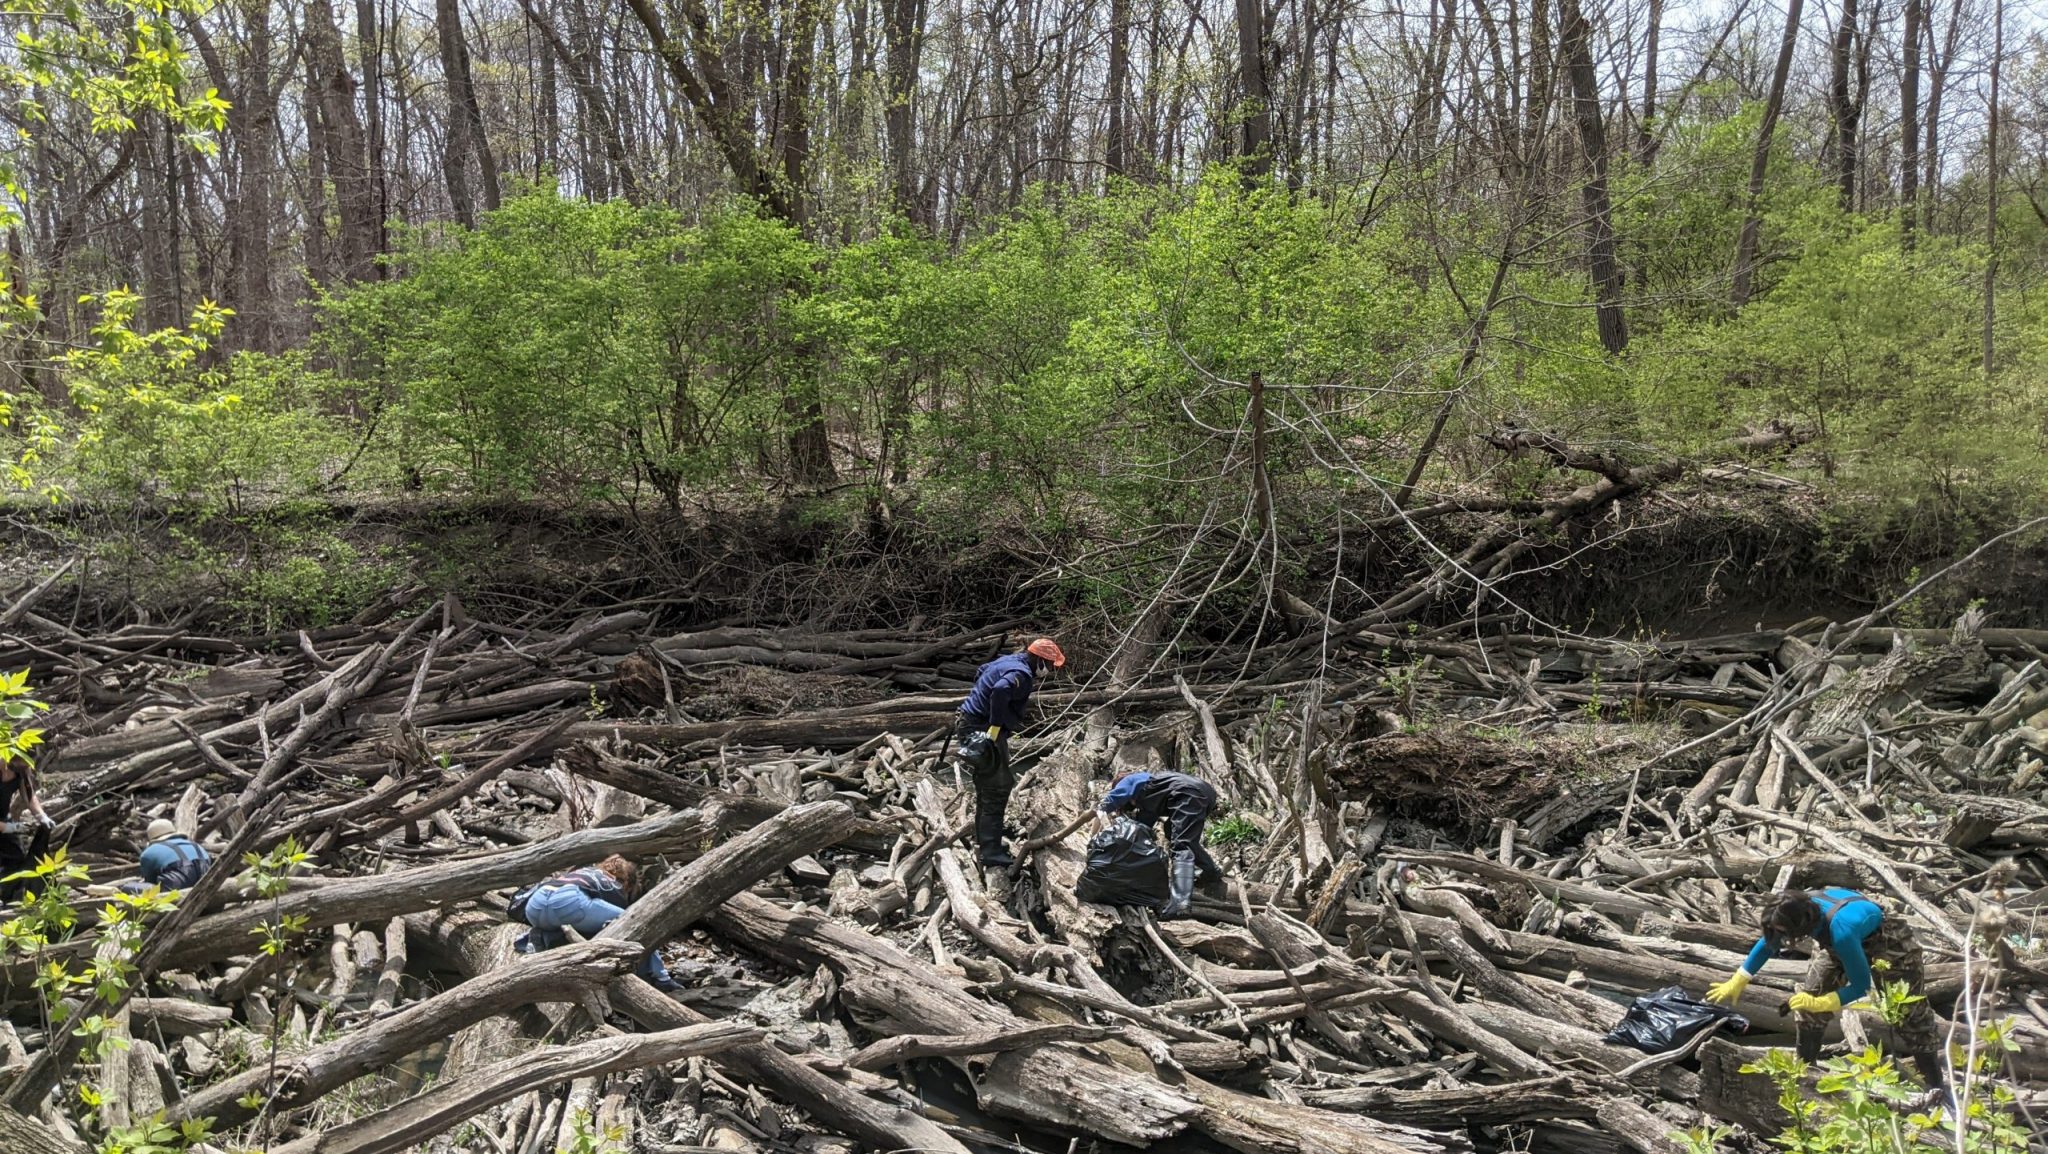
column 1663, row 1021
column 1125, row 868
column 977, row 751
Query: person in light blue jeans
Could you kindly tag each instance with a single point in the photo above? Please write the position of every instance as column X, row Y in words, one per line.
column 587, row 900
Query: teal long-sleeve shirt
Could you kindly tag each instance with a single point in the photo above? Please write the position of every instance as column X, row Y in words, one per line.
column 1855, row 918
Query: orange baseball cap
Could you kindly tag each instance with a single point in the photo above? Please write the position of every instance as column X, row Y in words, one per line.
column 1044, row 647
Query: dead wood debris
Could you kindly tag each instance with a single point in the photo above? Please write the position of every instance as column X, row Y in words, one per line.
column 1435, row 909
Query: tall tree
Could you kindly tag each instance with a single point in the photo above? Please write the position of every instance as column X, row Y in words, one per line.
column 465, row 140
column 1991, row 188
column 371, row 60
column 1257, row 149
column 1909, row 121
column 1116, row 134
column 1577, row 41
column 1760, row 162
column 772, row 166
column 1646, row 140
column 346, row 149
column 1844, row 110
column 1939, row 60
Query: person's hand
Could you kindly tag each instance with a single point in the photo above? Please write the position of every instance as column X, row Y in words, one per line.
column 45, row 820
column 1730, row 991
column 995, row 732
column 1804, row 1003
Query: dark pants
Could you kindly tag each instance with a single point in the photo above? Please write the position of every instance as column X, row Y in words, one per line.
column 992, row 788
column 1893, row 944
column 14, row 859
column 1187, row 813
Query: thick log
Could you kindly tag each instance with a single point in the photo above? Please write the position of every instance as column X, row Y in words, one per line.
column 820, row 730
column 1053, row 1085
column 739, row 811
column 427, row 1114
column 24, row 1135
column 383, row 896
column 554, row 976
column 177, row 1016
column 1539, row 1099
column 699, row 887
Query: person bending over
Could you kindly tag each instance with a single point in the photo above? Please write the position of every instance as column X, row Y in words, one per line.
column 587, row 900
column 1853, row 933
column 1185, row 802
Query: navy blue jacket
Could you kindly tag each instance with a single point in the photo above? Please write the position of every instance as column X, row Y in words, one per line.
column 1146, row 796
column 1001, row 690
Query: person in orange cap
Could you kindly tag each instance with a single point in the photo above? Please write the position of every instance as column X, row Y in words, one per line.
column 995, row 707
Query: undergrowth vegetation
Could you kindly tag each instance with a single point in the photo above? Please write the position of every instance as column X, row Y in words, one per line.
column 1082, row 372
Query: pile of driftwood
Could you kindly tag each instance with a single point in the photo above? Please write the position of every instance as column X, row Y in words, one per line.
column 1454, row 859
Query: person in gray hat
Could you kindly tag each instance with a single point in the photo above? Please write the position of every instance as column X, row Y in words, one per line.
column 171, row 860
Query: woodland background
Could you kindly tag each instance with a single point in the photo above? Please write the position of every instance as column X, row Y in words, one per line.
column 1102, row 277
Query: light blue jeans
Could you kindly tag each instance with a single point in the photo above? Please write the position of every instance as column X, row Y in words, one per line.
column 552, row 909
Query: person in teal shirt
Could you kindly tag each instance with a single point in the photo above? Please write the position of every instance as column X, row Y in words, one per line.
column 1853, row 933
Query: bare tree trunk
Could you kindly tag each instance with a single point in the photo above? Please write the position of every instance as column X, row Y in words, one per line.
column 371, row 59
column 347, row 152
column 465, row 120
column 1774, row 103
column 548, row 125
column 903, row 29
column 1939, row 63
column 1258, row 112
column 1115, row 140
column 1842, row 124
column 595, row 109
column 1646, row 140
column 1991, row 188
column 1909, row 123
column 319, row 244
column 1606, row 270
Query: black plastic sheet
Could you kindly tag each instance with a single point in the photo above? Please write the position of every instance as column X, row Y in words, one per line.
column 1125, row 868
column 1667, row 1019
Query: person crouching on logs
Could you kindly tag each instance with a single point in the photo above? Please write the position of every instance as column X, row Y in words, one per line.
column 993, row 710
column 1185, row 802
column 1853, row 932
column 170, row 860
column 585, row 900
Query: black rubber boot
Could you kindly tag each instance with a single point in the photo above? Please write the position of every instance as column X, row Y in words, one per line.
column 1180, row 885
column 989, row 807
column 1935, row 1075
column 1806, row 1041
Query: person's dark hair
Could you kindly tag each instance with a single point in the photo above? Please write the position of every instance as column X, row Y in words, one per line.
column 623, row 872
column 1790, row 915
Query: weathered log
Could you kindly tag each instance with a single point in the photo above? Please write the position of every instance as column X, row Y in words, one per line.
column 177, row 1016
column 20, row 1134
column 446, row 1103
column 384, row 896
column 557, row 975
column 1049, row 1085
column 739, row 811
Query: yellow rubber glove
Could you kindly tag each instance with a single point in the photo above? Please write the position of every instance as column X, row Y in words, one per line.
column 1829, row 1003
column 1730, row 991
column 994, row 732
